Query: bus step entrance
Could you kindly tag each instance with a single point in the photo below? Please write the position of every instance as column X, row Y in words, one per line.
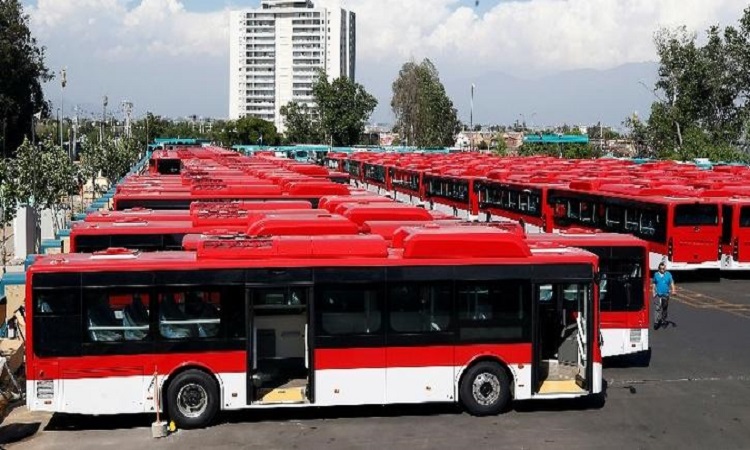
column 558, row 378
column 294, row 391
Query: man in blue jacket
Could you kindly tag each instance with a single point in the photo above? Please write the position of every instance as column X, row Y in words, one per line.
column 662, row 288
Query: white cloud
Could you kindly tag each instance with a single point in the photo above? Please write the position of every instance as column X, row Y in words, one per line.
column 546, row 35
column 117, row 44
column 112, row 29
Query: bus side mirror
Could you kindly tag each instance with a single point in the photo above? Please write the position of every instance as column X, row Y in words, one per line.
column 598, row 278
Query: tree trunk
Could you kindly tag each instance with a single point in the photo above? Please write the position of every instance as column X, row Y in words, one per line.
column 4, row 250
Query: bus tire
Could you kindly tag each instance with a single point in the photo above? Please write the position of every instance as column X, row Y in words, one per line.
column 192, row 399
column 484, row 389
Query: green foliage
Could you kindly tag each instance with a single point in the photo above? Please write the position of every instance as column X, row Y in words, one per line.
column 22, row 76
column 302, row 124
column 501, row 149
column 703, row 92
column 9, row 197
column 425, row 116
column 344, row 107
column 45, row 174
column 9, row 190
column 112, row 159
column 254, row 131
column 570, row 151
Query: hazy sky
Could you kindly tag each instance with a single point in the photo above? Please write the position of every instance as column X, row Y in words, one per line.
column 171, row 56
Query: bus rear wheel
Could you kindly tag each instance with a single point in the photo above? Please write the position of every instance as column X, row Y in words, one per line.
column 192, row 399
column 485, row 389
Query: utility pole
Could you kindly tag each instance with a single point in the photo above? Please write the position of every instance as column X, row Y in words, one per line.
column 105, row 101
column 127, row 107
column 63, row 82
column 74, row 144
column 471, row 120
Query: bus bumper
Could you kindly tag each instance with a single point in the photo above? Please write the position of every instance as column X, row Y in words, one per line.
column 655, row 259
column 624, row 341
column 729, row 264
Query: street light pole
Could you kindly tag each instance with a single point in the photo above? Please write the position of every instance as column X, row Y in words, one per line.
column 63, row 82
column 471, row 119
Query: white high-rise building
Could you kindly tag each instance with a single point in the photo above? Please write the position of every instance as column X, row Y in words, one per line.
column 275, row 51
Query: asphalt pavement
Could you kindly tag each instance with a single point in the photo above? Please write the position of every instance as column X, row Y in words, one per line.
column 694, row 395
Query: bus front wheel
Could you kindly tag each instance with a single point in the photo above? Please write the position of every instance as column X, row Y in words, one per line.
column 192, row 399
column 485, row 389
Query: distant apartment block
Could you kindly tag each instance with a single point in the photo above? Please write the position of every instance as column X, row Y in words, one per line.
column 275, row 51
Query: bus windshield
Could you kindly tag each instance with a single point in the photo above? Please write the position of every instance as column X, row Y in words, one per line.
column 692, row 215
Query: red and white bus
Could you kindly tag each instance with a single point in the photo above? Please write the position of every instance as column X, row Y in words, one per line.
column 735, row 233
column 683, row 232
column 443, row 316
column 624, row 289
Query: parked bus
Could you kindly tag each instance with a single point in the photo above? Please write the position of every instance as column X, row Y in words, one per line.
column 735, row 234
column 444, row 316
column 310, row 192
column 624, row 290
column 683, row 232
column 524, row 202
column 196, row 208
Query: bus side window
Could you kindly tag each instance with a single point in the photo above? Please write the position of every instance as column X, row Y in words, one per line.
column 419, row 308
column 189, row 314
column 632, row 220
column 348, row 310
column 116, row 315
column 648, row 223
column 613, row 216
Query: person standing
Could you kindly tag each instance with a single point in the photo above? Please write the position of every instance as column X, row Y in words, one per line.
column 662, row 288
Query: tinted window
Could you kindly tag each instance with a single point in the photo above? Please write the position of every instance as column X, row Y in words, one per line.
column 57, row 322
column 614, row 217
column 116, row 315
column 420, row 308
column 57, row 302
column 348, row 310
column 621, row 287
column 145, row 242
column 494, row 312
column 280, row 298
column 90, row 244
column 189, row 314
column 694, row 215
column 745, row 217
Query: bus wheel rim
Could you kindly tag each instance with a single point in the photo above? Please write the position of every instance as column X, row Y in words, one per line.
column 192, row 400
column 486, row 389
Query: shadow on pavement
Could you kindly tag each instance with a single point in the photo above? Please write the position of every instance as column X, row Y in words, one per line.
column 17, row 431
column 340, row 412
column 78, row 422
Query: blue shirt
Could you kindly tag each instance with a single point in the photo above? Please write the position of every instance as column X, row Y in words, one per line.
column 663, row 283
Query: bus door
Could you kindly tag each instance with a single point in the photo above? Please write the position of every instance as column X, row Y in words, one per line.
column 278, row 350
column 561, row 339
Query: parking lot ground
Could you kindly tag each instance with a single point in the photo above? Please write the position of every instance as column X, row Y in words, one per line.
column 695, row 394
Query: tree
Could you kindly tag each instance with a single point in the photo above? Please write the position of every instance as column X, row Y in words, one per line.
column 703, row 93
column 46, row 175
column 425, row 115
column 253, row 130
column 344, row 107
column 9, row 196
column 501, row 149
column 302, row 124
column 24, row 71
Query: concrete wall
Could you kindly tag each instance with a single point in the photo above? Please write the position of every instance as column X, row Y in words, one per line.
column 24, row 232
